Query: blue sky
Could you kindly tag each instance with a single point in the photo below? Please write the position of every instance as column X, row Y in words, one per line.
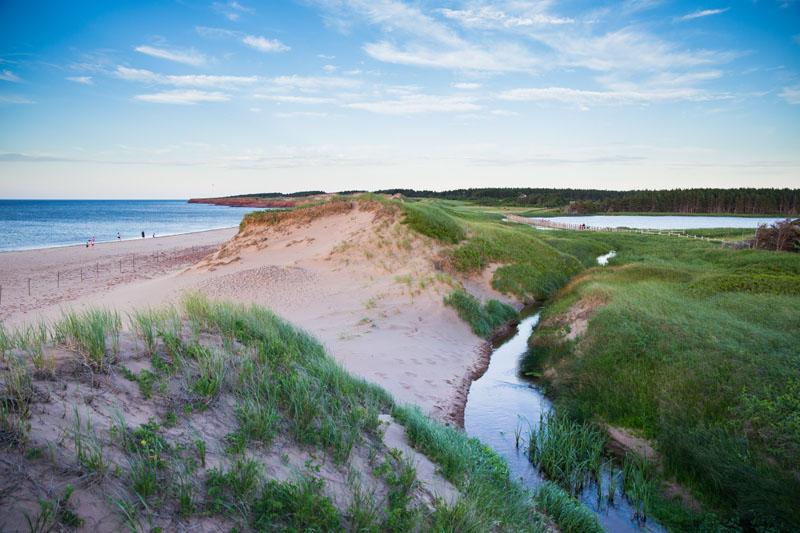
column 188, row 98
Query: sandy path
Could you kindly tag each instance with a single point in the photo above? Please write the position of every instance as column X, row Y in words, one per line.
column 373, row 303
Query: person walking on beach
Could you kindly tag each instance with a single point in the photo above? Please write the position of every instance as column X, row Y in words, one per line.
column 142, row 235
column 118, row 236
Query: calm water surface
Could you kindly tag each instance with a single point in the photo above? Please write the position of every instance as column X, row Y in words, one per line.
column 665, row 222
column 27, row 224
column 501, row 400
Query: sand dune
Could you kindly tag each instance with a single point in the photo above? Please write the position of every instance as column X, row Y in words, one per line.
column 358, row 279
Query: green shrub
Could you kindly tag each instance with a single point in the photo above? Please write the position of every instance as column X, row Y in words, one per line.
column 483, row 319
column 299, row 506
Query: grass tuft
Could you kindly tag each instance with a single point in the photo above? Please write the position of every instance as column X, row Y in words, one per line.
column 483, row 319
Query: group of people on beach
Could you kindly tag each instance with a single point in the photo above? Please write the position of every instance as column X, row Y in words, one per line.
column 92, row 240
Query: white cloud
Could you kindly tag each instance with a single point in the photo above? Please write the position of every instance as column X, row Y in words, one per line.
column 83, row 80
column 7, row 75
column 188, row 97
column 187, row 57
column 301, row 114
column 215, row 33
column 189, row 80
column 467, row 86
column 504, row 113
column 330, row 68
column 791, row 94
column 499, row 58
column 315, row 83
column 262, row 44
column 291, row 99
column 586, row 98
column 489, row 17
column 704, row 13
column 627, row 50
column 12, row 99
column 327, row 57
column 232, row 10
column 419, row 103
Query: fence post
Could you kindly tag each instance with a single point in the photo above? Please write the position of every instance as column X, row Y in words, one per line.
column 29, row 286
column 120, row 266
column 58, row 279
column 133, row 261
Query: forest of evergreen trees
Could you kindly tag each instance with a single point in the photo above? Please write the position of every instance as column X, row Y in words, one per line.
column 734, row 201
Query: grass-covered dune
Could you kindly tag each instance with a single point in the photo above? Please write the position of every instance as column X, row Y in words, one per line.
column 696, row 348
column 220, row 416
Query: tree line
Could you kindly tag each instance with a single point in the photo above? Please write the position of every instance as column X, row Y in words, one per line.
column 742, row 201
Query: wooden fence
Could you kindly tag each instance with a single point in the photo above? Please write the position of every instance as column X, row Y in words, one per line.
column 110, row 271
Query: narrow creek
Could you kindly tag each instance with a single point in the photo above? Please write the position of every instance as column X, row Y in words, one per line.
column 501, row 400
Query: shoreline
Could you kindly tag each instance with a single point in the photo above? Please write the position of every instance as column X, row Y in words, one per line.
column 114, row 241
column 35, row 283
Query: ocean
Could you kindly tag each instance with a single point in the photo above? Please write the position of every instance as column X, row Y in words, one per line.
column 30, row 224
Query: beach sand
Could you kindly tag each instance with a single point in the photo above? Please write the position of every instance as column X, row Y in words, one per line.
column 364, row 286
column 63, row 274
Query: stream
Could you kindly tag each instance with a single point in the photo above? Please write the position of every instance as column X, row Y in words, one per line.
column 501, row 400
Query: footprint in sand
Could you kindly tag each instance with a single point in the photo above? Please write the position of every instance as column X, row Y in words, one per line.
column 410, row 374
column 405, row 385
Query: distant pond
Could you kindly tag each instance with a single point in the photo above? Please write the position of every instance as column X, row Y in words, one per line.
column 666, row 222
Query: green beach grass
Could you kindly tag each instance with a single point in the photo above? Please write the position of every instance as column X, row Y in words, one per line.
column 281, row 382
column 697, row 348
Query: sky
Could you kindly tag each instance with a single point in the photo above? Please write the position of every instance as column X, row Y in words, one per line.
column 184, row 98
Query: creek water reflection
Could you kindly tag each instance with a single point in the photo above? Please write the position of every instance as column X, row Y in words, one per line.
column 501, row 401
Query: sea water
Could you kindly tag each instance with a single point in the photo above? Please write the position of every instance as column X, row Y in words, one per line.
column 29, row 224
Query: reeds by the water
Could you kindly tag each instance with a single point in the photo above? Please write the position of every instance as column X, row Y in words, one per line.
column 567, row 452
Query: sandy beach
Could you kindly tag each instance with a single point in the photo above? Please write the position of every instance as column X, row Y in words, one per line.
column 364, row 286
column 63, row 274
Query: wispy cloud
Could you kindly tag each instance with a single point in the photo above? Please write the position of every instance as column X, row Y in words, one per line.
column 467, row 86
column 262, row 44
column 188, row 80
column 315, row 83
column 301, row 114
column 83, row 80
column 7, row 75
column 232, row 10
column 419, row 103
column 294, row 99
column 587, row 98
column 791, row 94
column 704, row 13
column 187, row 57
column 492, row 17
column 189, row 97
column 13, row 99
column 506, row 57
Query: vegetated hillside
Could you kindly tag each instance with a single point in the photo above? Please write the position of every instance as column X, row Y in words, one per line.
column 216, row 416
column 696, row 348
column 686, row 343
column 732, row 201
